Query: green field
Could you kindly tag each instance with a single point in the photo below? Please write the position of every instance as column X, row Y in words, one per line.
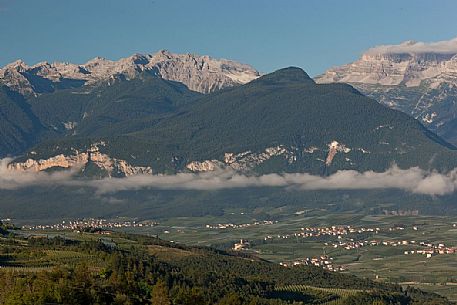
column 381, row 263
column 65, row 267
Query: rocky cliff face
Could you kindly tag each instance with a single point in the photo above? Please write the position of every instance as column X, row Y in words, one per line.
column 12, row 76
column 199, row 73
column 408, row 69
column 248, row 160
column 78, row 160
column 241, row 162
column 417, row 78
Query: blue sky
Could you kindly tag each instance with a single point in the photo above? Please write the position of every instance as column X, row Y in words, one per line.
column 267, row 34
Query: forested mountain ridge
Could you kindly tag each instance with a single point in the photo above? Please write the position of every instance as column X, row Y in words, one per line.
column 280, row 122
column 106, row 109
column 99, row 110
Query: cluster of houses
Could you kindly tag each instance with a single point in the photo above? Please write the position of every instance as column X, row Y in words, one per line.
column 335, row 231
column 338, row 231
column 432, row 250
column 401, row 212
column 351, row 244
column 323, row 261
column 81, row 224
column 243, row 225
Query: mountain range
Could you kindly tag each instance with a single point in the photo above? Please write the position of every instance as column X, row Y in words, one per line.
column 185, row 114
column 281, row 122
column 45, row 100
column 137, row 121
column 199, row 73
column 417, row 78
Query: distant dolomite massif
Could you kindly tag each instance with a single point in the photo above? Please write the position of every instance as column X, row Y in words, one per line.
column 406, row 64
column 199, row 73
column 415, row 77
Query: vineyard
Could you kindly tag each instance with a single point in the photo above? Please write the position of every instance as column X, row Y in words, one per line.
column 327, row 296
column 16, row 255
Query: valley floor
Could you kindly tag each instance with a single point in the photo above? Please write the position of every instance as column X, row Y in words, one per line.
column 414, row 250
column 419, row 251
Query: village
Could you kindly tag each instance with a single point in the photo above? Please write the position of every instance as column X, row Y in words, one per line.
column 345, row 238
column 91, row 223
column 324, row 261
column 238, row 226
column 429, row 251
column 339, row 231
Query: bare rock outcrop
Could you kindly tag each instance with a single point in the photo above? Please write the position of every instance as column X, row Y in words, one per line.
column 111, row 166
column 409, row 63
column 242, row 161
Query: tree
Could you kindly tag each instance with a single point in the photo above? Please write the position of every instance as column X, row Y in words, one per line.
column 160, row 294
column 186, row 296
column 231, row 299
column 122, row 299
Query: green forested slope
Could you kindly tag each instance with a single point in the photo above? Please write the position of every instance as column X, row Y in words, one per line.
column 286, row 107
column 153, row 122
column 104, row 109
column 282, row 108
column 100, row 110
column 126, row 269
column 19, row 127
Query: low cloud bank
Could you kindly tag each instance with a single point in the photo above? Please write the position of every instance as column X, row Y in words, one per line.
column 413, row 180
column 441, row 47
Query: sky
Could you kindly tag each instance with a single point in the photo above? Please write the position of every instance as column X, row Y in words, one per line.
column 267, row 34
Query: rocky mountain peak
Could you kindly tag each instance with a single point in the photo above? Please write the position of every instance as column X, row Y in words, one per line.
column 17, row 65
column 199, row 73
column 409, row 63
column 164, row 52
column 96, row 60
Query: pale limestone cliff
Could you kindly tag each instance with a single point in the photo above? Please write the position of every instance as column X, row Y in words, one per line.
column 242, row 161
column 409, row 63
column 204, row 166
column 111, row 166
